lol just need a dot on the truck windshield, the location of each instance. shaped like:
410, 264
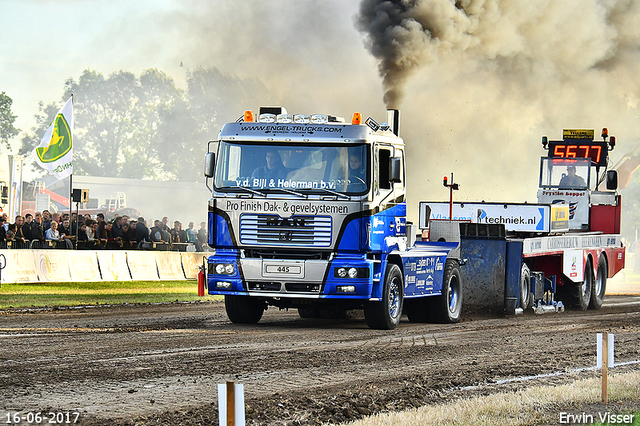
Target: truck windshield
564, 173
302, 168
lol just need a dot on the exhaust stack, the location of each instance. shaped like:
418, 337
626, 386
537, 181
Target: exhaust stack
393, 119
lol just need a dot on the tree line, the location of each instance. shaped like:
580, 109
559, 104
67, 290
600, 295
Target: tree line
141, 127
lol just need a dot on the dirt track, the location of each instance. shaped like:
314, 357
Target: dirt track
161, 364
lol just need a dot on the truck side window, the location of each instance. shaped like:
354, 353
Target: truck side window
383, 167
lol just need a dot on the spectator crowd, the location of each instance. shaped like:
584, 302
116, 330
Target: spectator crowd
71, 231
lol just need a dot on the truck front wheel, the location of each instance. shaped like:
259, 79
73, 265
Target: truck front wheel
244, 309
446, 308
385, 315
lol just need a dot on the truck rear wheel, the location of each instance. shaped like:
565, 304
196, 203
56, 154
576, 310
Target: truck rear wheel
525, 287
385, 315
599, 284
446, 308
244, 309
582, 291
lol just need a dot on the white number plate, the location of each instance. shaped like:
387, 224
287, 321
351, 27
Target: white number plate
283, 269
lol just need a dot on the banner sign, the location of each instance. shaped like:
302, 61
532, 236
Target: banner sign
20, 267
169, 265
191, 263
32, 266
113, 265
83, 266
52, 265
142, 265
515, 217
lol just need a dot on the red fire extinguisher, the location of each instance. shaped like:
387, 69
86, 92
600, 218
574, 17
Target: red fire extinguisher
201, 281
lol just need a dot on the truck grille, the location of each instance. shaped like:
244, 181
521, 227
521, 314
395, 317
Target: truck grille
277, 287
309, 231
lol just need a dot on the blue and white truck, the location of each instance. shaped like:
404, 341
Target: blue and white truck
308, 212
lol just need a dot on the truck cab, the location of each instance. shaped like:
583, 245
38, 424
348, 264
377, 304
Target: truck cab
306, 212
571, 175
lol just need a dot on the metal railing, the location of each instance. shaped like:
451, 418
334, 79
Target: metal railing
70, 244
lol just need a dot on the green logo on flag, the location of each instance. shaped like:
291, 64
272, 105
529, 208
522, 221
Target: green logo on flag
60, 143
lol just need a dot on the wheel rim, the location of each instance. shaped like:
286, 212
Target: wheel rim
599, 282
394, 298
524, 290
587, 280
453, 294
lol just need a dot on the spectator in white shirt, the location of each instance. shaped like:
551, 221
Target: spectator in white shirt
52, 233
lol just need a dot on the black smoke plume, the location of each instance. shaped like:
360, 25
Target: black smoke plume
405, 34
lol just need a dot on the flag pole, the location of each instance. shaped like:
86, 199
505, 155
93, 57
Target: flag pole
70, 197
71, 181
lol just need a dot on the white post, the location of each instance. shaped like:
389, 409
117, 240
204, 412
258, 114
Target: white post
605, 360
610, 352
605, 365
231, 404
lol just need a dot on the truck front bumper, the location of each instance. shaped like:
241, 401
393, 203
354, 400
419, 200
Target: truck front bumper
342, 278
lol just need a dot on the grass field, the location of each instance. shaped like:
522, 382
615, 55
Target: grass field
97, 293
538, 405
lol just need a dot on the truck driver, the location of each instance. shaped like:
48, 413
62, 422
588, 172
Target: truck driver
273, 168
571, 179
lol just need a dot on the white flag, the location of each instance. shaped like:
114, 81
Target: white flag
54, 154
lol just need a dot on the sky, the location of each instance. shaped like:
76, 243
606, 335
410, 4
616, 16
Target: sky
46, 42
478, 86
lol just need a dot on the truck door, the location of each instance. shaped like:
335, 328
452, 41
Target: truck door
389, 215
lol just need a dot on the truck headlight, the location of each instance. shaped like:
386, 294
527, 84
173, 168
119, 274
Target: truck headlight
351, 272
224, 269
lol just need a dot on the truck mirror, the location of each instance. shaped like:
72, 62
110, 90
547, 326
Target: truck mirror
612, 179
209, 164
395, 168
427, 216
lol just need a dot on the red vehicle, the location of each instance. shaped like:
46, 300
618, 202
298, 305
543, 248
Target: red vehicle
558, 252
116, 205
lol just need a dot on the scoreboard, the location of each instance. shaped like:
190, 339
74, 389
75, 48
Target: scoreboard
578, 143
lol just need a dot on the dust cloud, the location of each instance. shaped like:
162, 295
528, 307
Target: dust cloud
480, 82
307, 55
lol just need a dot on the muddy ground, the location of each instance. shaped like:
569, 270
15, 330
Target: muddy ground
160, 364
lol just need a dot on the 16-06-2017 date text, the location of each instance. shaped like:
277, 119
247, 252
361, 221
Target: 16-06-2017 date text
41, 418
